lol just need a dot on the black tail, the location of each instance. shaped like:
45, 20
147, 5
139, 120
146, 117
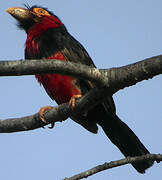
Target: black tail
125, 139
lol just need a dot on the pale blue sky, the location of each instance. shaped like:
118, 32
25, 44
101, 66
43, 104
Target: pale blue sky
115, 33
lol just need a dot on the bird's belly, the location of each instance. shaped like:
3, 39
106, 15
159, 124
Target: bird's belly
59, 87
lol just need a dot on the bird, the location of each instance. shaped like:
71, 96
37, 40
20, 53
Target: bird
48, 38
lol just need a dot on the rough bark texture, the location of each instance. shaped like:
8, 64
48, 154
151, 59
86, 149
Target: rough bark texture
116, 78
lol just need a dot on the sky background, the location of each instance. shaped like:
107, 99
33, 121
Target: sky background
115, 33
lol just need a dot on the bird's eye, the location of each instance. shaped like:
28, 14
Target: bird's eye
41, 11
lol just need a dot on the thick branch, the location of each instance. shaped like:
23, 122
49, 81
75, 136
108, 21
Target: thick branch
112, 164
30, 67
114, 78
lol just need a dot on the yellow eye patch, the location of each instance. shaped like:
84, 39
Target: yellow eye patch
39, 12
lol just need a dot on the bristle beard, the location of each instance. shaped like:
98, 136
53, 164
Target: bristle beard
27, 5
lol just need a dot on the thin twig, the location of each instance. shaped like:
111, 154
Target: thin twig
112, 164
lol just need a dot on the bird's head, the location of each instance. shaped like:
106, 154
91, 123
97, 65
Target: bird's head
29, 17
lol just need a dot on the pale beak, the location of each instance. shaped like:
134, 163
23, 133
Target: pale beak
19, 13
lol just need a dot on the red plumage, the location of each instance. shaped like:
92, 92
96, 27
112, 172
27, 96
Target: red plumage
59, 87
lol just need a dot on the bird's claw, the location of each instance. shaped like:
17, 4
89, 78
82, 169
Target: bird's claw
41, 115
73, 100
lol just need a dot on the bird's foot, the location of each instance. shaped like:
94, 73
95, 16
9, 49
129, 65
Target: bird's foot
73, 100
41, 115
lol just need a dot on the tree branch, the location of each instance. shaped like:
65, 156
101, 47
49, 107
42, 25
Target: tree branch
57, 114
112, 164
108, 81
114, 78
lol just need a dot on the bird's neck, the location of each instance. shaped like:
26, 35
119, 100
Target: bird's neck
37, 38
46, 23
